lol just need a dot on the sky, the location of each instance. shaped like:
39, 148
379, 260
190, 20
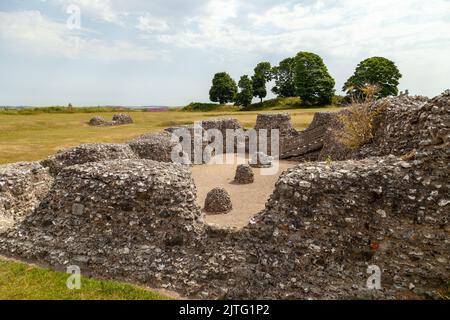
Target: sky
165, 52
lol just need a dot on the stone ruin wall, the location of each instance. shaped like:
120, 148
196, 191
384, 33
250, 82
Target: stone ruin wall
325, 223
22, 188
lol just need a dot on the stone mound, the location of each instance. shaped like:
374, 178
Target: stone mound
87, 153
244, 174
218, 201
122, 118
97, 121
117, 120
22, 188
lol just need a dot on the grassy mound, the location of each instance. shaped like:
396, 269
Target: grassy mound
275, 104
207, 107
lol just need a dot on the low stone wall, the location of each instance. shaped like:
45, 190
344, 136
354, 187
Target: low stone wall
87, 153
156, 146
22, 188
396, 130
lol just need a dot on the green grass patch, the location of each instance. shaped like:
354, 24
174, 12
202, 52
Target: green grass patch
19, 281
275, 104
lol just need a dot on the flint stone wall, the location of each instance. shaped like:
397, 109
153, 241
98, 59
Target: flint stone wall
325, 224
280, 122
397, 129
87, 153
97, 209
22, 188
155, 146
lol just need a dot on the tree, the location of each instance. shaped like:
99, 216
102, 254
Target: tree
377, 71
283, 74
223, 88
313, 83
245, 95
263, 74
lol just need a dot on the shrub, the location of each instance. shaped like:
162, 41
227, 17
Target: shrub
357, 125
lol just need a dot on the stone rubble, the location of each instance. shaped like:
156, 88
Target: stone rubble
244, 174
117, 120
218, 201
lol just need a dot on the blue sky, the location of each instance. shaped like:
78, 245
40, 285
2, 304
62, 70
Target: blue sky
165, 52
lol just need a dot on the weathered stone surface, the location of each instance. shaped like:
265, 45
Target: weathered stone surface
102, 207
156, 146
87, 153
122, 118
22, 187
218, 201
97, 121
329, 222
117, 120
396, 131
244, 174
280, 121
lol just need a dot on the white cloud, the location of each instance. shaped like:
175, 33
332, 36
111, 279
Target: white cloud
103, 10
31, 32
337, 27
151, 24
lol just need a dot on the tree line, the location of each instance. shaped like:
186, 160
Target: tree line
305, 76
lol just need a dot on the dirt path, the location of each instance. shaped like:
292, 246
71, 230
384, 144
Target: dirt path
247, 199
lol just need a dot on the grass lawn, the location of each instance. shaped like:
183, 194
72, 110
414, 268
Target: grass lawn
36, 136
19, 281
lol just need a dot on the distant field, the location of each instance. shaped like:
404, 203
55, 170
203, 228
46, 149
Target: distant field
36, 136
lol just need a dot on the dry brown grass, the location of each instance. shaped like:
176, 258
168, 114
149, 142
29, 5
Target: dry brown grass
358, 126
36, 136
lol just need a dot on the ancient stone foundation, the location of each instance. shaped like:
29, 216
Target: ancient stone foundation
22, 188
87, 153
326, 223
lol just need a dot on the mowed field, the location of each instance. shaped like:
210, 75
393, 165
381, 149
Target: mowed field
36, 136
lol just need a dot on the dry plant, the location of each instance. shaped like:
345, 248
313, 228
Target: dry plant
357, 125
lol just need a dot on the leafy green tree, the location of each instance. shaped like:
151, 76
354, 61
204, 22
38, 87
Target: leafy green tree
223, 88
263, 74
245, 95
283, 74
377, 71
313, 84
